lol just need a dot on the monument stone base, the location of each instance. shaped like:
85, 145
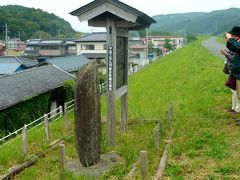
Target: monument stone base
107, 162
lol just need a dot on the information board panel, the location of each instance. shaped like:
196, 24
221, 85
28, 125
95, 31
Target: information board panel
121, 61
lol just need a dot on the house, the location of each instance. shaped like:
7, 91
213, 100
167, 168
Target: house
23, 85
15, 47
50, 47
70, 64
27, 95
93, 45
32, 48
159, 41
138, 51
12, 64
2, 48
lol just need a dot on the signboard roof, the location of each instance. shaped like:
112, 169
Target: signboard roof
114, 7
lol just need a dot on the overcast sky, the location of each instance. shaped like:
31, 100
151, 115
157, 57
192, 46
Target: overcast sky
150, 7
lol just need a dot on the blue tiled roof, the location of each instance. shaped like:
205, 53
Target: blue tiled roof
11, 64
9, 68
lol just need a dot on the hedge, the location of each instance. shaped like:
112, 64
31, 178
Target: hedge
15, 117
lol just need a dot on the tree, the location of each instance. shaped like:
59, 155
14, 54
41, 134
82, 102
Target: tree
41, 35
168, 45
191, 38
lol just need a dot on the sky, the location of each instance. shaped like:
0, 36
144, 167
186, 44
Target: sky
149, 7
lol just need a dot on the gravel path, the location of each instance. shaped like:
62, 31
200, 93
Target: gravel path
213, 46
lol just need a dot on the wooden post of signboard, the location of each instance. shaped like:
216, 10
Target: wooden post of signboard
111, 81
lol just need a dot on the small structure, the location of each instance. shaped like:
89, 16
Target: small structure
37, 81
118, 18
25, 85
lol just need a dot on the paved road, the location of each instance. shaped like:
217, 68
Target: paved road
213, 46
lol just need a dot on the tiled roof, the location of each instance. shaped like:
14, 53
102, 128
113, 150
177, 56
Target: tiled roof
94, 37
69, 63
95, 55
26, 84
51, 42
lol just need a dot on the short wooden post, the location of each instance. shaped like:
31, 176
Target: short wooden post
124, 113
66, 122
62, 160
24, 140
144, 165
168, 119
156, 138
60, 111
171, 109
46, 123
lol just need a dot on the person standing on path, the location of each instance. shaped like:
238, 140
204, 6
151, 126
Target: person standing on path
233, 44
235, 101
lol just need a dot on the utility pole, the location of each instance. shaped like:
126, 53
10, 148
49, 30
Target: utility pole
19, 35
59, 33
147, 42
6, 34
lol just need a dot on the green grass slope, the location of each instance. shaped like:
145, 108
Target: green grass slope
207, 142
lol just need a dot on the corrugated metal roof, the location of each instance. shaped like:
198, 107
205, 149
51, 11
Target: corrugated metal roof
69, 63
94, 37
51, 42
29, 83
33, 42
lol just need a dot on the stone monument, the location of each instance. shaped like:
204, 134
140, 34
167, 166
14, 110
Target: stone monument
87, 115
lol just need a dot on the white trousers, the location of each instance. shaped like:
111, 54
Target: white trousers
235, 101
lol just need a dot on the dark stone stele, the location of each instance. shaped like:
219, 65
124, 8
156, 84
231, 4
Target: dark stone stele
87, 115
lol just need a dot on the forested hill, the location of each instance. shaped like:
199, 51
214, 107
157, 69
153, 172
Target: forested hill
212, 23
31, 23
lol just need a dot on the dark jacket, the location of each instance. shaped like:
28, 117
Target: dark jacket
234, 46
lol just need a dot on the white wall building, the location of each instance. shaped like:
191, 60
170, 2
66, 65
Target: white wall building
159, 41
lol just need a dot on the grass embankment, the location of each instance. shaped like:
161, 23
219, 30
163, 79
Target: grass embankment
206, 143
